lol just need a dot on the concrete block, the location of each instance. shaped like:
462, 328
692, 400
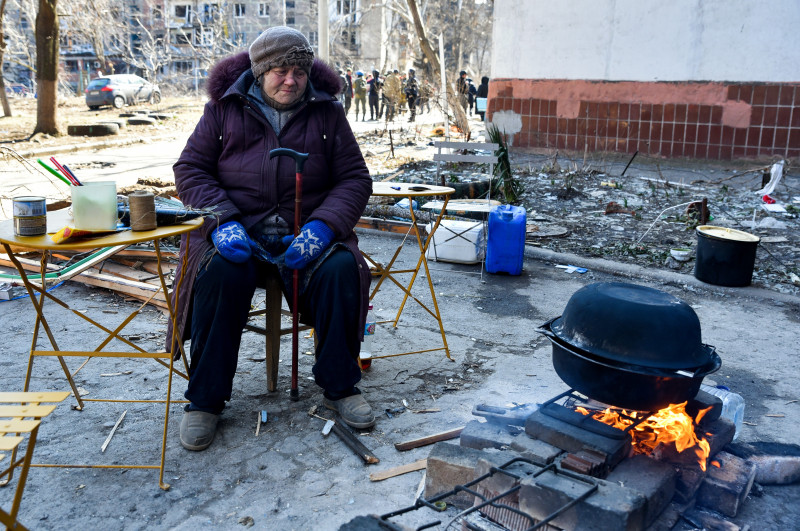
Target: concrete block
480, 435
726, 486
611, 508
450, 465
537, 451
653, 479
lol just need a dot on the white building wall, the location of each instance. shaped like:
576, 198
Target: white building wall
647, 40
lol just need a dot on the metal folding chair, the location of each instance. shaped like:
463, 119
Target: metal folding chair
20, 414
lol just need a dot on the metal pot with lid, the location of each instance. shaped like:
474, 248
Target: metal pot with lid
630, 346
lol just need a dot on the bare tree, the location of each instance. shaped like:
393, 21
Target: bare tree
47, 68
3, 95
104, 38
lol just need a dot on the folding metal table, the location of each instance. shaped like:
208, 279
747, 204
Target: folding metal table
37, 290
389, 272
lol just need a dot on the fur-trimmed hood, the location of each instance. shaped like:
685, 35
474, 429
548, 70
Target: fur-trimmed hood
225, 73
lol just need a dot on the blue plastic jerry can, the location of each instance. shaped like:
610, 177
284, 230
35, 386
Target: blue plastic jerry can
505, 249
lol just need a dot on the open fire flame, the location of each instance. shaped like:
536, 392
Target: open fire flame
671, 425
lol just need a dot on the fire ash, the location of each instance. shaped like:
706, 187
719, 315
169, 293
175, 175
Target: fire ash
671, 425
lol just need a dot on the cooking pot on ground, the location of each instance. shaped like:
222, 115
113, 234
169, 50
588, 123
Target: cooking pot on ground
625, 385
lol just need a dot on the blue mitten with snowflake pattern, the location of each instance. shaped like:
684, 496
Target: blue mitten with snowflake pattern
232, 242
314, 238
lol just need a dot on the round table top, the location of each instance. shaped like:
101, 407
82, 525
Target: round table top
390, 189
125, 237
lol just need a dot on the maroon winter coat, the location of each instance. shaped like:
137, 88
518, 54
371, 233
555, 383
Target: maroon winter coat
226, 165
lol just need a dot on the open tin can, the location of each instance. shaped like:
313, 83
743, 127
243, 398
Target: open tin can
30, 216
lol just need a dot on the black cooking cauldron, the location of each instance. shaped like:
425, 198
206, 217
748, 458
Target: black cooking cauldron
630, 346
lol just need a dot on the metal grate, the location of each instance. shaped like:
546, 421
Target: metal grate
572, 400
497, 501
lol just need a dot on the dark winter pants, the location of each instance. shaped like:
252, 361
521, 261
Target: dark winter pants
412, 106
373, 106
221, 301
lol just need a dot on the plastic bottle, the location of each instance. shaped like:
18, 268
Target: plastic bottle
365, 357
732, 404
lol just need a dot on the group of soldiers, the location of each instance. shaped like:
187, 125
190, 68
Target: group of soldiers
391, 94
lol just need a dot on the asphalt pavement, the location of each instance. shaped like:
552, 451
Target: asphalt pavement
290, 476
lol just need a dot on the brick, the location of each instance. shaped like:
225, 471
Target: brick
480, 435
653, 479
611, 508
718, 434
573, 439
537, 451
450, 465
499, 483
688, 481
703, 400
371, 523
670, 516
726, 486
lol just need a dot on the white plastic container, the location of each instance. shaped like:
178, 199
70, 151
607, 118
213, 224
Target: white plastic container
732, 405
94, 205
462, 242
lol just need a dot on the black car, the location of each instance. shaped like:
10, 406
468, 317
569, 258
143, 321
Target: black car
120, 90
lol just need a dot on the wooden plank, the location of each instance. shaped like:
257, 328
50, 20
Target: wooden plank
122, 271
26, 411
443, 157
32, 397
148, 254
399, 470
430, 439
354, 444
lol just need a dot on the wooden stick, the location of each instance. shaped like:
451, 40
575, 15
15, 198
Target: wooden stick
430, 439
354, 444
399, 470
108, 439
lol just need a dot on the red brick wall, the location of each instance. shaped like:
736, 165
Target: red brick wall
694, 120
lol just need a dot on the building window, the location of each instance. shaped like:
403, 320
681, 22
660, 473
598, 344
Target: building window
183, 11
312, 38
238, 10
290, 20
180, 38
345, 7
263, 10
204, 37
289, 4
239, 39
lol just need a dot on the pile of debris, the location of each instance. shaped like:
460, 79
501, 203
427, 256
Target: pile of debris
132, 272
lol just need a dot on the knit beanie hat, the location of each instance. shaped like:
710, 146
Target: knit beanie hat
280, 46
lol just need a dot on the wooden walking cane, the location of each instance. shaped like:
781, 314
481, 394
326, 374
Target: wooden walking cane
299, 160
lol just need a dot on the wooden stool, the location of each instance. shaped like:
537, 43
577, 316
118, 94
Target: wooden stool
272, 330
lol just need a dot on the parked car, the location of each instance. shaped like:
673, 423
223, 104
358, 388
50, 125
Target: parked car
120, 90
